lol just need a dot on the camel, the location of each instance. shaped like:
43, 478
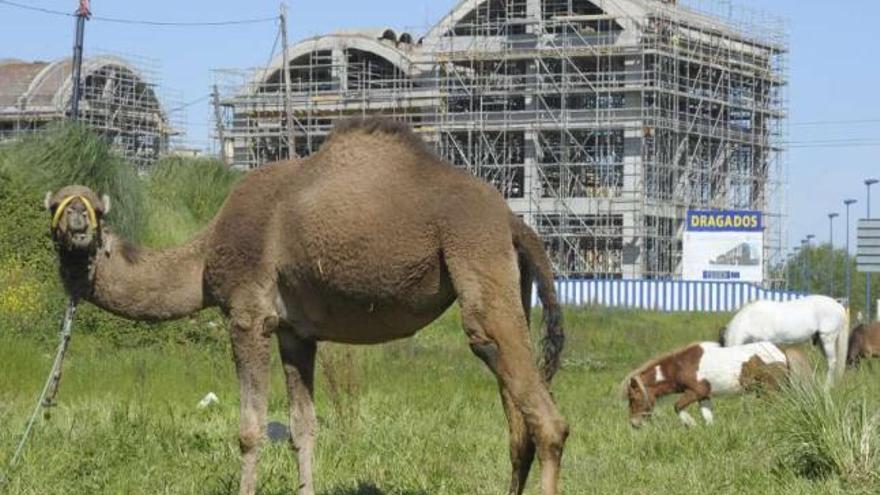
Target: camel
366, 241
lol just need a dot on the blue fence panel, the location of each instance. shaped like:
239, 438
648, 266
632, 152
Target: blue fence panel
665, 295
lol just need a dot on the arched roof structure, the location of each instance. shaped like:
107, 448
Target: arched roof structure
379, 42
47, 86
117, 101
633, 9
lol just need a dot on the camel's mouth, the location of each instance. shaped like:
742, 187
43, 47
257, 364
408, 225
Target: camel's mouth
80, 240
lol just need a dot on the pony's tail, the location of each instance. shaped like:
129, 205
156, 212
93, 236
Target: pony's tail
799, 368
533, 262
841, 346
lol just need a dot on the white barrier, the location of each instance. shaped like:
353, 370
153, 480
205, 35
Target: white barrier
665, 295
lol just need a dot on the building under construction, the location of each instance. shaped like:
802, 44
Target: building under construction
117, 101
601, 121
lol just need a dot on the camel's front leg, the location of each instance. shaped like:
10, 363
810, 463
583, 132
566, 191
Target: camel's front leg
298, 359
250, 346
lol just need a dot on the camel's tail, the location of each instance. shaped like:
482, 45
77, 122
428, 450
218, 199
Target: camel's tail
534, 264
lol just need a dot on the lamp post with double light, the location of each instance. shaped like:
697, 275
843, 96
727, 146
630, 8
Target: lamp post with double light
847, 265
868, 184
807, 242
831, 217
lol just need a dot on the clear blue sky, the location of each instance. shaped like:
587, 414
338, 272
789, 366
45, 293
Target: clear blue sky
834, 72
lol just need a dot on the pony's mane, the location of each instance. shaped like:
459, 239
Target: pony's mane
654, 361
380, 125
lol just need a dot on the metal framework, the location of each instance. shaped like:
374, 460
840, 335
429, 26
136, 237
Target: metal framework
118, 101
601, 121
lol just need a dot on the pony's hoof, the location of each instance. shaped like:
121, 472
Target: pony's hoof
687, 419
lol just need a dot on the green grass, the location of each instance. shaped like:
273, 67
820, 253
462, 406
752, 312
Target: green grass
416, 416
825, 435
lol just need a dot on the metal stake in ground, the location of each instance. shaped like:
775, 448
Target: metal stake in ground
50, 389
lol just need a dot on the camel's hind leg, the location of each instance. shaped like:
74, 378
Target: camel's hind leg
522, 447
495, 324
251, 335
298, 359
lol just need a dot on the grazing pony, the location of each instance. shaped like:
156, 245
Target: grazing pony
792, 322
863, 342
703, 369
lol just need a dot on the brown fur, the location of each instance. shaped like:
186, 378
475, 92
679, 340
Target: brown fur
366, 241
670, 356
758, 376
679, 369
864, 342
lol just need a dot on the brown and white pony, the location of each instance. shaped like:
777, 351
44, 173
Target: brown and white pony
703, 369
864, 342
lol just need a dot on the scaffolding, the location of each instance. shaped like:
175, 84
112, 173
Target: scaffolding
118, 101
602, 122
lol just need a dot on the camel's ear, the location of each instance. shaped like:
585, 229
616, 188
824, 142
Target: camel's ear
47, 201
105, 199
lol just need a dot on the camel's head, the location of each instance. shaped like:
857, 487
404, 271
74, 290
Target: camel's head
77, 217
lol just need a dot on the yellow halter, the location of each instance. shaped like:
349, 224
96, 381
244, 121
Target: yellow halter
93, 218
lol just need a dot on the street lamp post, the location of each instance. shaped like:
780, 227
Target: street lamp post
808, 269
788, 271
831, 217
847, 267
868, 184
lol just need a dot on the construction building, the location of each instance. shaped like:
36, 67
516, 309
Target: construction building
602, 122
117, 101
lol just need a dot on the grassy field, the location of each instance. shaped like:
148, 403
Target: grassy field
415, 417
420, 416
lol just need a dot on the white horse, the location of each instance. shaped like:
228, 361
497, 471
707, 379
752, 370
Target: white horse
793, 322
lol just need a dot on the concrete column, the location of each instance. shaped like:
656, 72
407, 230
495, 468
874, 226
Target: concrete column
531, 180
631, 197
340, 68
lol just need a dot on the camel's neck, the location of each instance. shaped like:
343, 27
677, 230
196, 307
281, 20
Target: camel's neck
139, 284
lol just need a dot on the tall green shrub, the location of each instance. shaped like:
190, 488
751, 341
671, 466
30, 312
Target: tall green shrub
821, 434
183, 195
71, 154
